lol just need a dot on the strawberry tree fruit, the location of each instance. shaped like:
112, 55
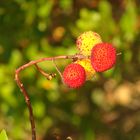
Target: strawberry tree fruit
86, 63
86, 41
103, 57
74, 75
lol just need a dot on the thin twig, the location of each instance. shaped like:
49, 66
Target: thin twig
23, 90
48, 76
59, 72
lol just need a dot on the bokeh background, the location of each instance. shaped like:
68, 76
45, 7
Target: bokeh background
105, 108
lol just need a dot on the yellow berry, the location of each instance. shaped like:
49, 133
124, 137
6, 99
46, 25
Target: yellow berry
86, 41
86, 64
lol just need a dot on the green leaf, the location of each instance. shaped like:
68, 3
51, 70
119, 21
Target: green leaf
128, 21
3, 135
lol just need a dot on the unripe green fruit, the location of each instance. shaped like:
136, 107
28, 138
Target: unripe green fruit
86, 41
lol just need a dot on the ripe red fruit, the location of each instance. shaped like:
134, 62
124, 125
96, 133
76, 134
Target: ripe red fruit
103, 57
74, 75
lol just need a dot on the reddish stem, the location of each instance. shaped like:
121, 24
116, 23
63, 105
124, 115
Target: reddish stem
23, 90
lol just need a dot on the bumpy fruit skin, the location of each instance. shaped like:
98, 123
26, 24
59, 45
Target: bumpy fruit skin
86, 41
103, 57
86, 64
74, 75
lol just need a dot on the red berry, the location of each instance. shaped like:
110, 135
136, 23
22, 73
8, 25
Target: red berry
103, 57
74, 75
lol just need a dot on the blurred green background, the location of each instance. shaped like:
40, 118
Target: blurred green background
105, 108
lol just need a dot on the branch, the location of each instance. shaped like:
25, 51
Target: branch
48, 76
23, 90
25, 94
59, 72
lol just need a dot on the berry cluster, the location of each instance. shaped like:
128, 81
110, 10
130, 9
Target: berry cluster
99, 57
